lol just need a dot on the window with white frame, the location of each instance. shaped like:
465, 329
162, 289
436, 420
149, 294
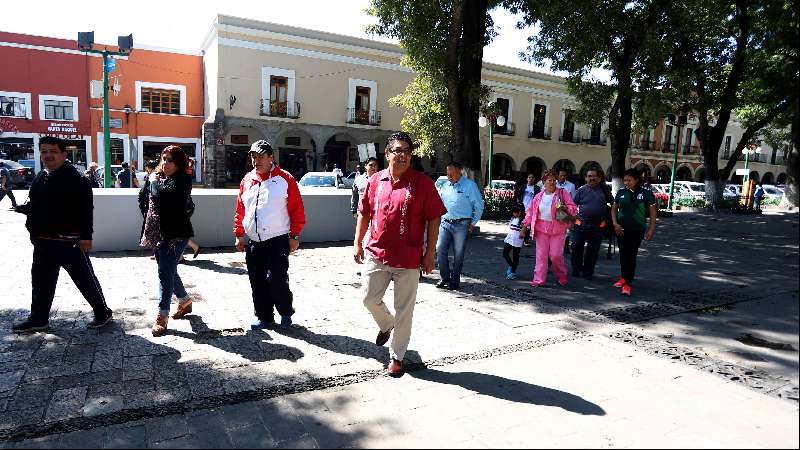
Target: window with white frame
277, 93
11, 106
362, 103
160, 98
56, 107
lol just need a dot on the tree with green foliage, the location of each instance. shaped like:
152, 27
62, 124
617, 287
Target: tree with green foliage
624, 37
444, 42
733, 59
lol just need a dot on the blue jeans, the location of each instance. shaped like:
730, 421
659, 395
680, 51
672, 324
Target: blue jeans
451, 235
167, 257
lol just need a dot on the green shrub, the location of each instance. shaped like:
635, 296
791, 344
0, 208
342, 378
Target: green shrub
498, 204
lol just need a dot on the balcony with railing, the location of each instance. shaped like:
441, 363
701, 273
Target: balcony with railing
540, 132
647, 146
286, 110
573, 136
595, 140
370, 117
668, 147
689, 149
507, 130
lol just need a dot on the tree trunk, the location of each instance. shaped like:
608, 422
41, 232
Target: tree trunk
471, 62
453, 75
619, 127
790, 198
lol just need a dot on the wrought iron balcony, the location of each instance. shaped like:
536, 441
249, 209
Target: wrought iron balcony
540, 132
364, 117
595, 140
648, 146
668, 147
570, 136
508, 129
272, 108
688, 149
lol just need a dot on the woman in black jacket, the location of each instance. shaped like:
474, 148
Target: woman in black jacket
167, 230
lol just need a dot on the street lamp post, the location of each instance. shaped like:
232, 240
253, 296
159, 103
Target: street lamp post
751, 149
678, 121
491, 116
125, 44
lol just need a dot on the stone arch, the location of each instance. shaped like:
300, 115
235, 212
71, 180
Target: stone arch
768, 178
663, 172
565, 164
781, 179
340, 149
684, 173
534, 165
754, 176
503, 167
295, 149
643, 167
587, 166
700, 174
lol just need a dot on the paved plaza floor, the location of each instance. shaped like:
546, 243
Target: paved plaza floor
704, 354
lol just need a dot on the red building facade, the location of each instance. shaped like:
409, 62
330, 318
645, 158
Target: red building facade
43, 91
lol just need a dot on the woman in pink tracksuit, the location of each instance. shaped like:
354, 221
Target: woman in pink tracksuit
548, 231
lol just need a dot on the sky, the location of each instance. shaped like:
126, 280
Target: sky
183, 24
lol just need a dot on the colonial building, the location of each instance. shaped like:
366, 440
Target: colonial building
652, 153
322, 99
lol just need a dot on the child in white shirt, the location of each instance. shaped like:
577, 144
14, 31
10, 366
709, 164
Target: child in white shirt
513, 243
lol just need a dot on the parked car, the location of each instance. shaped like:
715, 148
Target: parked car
503, 184
771, 191
349, 180
440, 182
30, 163
693, 189
318, 179
21, 176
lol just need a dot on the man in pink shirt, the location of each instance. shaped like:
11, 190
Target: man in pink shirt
399, 206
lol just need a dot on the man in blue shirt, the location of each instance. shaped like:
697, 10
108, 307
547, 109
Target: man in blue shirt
464, 204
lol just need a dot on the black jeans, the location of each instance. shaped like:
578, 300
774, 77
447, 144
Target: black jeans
267, 267
628, 248
10, 195
511, 254
49, 257
591, 238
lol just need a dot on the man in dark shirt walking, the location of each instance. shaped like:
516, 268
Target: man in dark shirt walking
59, 210
591, 200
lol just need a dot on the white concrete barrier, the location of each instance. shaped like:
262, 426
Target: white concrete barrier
118, 222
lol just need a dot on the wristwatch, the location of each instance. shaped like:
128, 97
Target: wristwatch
296, 237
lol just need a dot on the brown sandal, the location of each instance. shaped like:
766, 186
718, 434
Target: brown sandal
160, 327
183, 309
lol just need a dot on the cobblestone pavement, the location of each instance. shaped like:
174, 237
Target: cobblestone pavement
120, 377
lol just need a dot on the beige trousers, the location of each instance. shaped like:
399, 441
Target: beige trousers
376, 279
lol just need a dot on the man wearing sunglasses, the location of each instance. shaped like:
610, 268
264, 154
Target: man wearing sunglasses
399, 206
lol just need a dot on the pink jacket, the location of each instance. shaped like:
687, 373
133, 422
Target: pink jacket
554, 226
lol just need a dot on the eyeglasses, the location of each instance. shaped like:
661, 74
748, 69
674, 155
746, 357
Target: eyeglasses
403, 151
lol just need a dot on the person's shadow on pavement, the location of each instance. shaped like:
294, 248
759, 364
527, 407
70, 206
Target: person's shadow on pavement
511, 390
344, 345
250, 345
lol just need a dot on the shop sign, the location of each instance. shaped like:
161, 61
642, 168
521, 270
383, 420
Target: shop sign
115, 123
62, 128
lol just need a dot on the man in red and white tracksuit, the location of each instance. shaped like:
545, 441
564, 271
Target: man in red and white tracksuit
269, 209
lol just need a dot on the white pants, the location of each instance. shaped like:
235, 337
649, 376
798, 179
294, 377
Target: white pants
376, 279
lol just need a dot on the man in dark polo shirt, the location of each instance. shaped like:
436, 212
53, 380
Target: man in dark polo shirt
399, 206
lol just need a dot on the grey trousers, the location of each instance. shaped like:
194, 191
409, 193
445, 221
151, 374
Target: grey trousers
376, 280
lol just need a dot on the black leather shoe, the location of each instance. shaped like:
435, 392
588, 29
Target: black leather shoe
383, 337
452, 287
28, 326
443, 285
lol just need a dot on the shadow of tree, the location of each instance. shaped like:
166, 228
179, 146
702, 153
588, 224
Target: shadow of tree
511, 390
